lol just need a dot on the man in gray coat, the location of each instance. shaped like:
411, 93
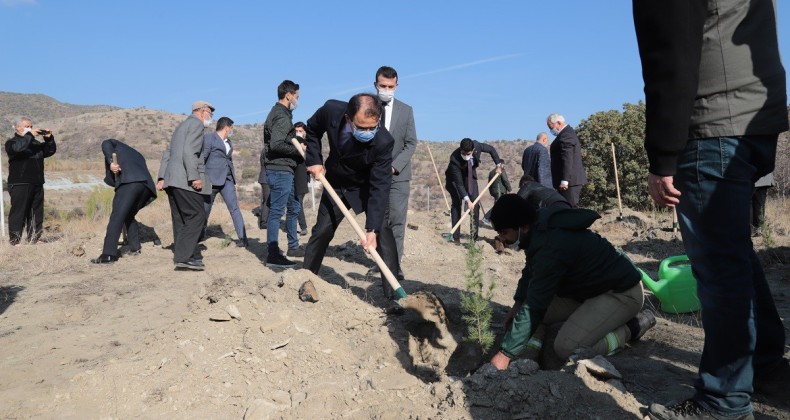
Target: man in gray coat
398, 119
183, 176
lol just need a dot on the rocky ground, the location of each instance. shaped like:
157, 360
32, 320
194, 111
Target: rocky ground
138, 339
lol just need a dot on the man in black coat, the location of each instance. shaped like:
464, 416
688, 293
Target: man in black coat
26, 179
567, 171
134, 189
359, 168
461, 180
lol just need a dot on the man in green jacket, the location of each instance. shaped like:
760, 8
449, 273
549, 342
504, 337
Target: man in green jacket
572, 275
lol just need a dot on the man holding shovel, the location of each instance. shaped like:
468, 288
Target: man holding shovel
359, 167
461, 181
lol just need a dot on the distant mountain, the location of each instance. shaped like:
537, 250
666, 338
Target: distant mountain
42, 107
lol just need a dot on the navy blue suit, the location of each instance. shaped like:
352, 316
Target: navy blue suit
220, 172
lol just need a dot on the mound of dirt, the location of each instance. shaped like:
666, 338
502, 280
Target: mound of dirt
138, 339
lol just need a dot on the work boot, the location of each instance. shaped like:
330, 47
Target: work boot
774, 383
639, 324
688, 410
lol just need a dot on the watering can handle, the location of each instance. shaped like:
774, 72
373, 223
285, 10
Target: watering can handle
671, 260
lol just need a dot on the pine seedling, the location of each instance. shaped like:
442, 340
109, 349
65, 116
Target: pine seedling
475, 302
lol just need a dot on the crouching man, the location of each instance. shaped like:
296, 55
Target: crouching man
572, 275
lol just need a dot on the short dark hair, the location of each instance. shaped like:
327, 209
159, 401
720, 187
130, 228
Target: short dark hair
386, 72
286, 86
300, 124
512, 211
524, 179
467, 145
367, 103
224, 122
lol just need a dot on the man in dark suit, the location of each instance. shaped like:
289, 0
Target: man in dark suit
567, 170
183, 175
398, 119
134, 189
536, 162
359, 168
301, 179
218, 155
461, 181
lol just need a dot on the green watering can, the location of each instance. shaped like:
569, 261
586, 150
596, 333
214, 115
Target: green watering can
676, 287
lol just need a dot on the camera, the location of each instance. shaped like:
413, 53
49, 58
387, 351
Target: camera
43, 132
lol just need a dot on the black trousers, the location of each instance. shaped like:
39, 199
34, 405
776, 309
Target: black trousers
263, 216
329, 217
572, 194
26, 212
456, 209
758, 206
189, 216
302, 218
128, 200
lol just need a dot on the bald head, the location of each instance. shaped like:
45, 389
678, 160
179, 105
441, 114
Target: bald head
543, 138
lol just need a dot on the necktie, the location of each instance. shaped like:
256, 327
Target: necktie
469, 178
383, 115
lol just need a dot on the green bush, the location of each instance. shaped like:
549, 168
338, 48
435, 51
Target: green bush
626, 130
99, 203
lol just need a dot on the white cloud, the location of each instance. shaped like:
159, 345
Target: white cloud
441, 70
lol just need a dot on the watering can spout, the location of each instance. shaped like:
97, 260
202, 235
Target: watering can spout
651, 284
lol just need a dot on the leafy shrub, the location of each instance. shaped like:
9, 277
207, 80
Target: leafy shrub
99, 203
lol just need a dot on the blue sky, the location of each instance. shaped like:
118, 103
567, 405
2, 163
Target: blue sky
485, 70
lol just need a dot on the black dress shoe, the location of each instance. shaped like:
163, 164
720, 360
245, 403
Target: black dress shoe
104, 259
243, 243
190, 265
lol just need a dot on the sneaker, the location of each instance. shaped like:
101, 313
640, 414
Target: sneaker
295, 252
278, 260
690, 410
774, 383
303, 232
639, 324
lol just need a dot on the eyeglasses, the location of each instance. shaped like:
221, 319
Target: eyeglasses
375, 127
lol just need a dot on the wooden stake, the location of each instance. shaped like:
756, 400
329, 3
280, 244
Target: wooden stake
444, 194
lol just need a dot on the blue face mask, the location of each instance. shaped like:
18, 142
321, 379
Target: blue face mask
363, 136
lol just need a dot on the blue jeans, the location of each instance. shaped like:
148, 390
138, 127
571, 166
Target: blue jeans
282, 196
743, 331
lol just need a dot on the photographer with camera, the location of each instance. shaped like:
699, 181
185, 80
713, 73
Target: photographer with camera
26, 179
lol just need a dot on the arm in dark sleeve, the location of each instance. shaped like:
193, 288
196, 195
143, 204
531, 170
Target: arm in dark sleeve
107, 149
506, 182
50, 147
280, 144
491, 151
455, 178
206, 149
669, 35
316, 127
567, 151
19, 146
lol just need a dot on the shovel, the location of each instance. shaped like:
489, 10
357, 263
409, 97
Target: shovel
449, 236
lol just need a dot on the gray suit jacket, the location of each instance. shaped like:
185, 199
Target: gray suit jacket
219, 163
181, 161
405, 135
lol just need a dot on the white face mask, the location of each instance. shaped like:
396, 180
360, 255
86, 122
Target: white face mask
466, 157
516, 244
230, 133
554, 132
293, 104
301, 134
386, 95
26, 130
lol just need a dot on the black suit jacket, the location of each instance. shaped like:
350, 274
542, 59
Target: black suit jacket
132, 163
361, 172
566, 159
456, 172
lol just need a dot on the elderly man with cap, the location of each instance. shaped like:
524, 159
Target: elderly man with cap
593, 290
182, 174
